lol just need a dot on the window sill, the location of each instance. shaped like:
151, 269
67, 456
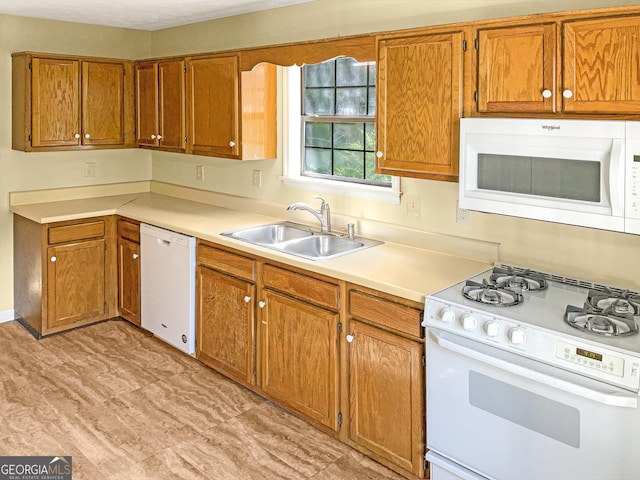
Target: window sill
367, 192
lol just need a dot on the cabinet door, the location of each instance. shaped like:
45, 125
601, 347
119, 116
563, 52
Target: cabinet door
299, 356
147, 104
213, 102
102, 103
55, 102
419, 105
225, 325
602, 65
75, 283
385, 392
129, 280
516, 69
172, 104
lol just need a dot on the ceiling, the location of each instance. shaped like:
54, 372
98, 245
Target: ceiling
138, 14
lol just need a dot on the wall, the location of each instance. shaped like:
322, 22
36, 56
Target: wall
587, 253
22, 171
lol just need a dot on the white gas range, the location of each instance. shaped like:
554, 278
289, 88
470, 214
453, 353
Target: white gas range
541, 381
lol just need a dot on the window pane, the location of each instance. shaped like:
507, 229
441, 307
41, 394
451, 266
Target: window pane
317, 134
350, 73
351, 101
320, 74
317, 160
372, 102
348, 135
370, 164
348, 164
370, 136
372, 74
319, 101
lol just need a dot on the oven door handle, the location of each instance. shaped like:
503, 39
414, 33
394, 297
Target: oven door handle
613, 399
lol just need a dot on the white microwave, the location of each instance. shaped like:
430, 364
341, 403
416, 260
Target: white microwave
578, 172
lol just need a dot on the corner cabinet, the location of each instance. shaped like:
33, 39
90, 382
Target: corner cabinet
386, 379
161, 105
129, 270
231, 114
419, 105
68, 103
63, 273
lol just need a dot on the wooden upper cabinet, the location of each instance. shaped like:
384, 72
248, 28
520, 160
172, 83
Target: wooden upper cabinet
213, 99
103, 103
419, 105
160, 101
602, 65
66, 103
516, 69
55, 105
230, 114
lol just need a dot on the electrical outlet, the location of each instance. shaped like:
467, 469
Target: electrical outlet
257, 178
462, 215
200, 173
413, 205
89, 169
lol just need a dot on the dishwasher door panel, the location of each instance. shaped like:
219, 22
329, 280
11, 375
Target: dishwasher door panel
167, 271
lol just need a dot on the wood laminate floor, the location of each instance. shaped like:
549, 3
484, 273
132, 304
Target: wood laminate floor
127, 406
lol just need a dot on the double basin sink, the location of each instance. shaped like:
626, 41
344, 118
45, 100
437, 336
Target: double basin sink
300, 240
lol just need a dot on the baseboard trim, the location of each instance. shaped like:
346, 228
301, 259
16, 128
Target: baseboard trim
7, 316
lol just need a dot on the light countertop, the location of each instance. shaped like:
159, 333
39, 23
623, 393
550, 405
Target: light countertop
400, 270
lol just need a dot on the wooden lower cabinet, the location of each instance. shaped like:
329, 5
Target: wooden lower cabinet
64, 273
299, 356
129, 270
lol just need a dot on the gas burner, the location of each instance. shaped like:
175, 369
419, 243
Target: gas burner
619, 302
606, 322
525, 280
491, 294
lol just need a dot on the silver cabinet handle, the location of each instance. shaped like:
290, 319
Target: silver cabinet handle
350, 338
86, 135
232, 143
262, 304
379, 154
53, 259
546, 93
77, 135
247, 299
567, 93
135, 256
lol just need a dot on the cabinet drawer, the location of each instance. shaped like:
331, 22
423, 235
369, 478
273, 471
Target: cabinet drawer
128, 230
81, 231
228, 262
386, 313
298, 285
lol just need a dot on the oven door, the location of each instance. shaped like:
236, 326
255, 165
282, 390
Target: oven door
505, 416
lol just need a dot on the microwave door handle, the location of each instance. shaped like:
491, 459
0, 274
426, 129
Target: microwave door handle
614, 400
616, 177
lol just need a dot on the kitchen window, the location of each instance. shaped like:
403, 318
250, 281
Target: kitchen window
330, 130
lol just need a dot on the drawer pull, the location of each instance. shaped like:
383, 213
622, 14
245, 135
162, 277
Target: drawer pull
350, 338
53, 259
247, 299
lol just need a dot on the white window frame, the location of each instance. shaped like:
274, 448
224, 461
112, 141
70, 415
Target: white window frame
292, 151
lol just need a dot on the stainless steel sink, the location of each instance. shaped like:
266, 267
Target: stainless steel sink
271, 233
302, 241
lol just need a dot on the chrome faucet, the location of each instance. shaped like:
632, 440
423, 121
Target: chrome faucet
323, 215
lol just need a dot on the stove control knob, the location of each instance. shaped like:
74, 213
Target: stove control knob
446, 315
492, 329
468, 322
517, 336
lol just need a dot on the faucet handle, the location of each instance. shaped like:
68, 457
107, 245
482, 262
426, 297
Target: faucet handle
317, 197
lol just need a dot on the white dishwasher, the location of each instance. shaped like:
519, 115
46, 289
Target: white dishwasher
167, 284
